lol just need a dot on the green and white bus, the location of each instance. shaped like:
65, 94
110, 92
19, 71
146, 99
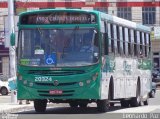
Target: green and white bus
78, 57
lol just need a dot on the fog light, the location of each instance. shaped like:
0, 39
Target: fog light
88, 81
25, 82
80, 83
31, 84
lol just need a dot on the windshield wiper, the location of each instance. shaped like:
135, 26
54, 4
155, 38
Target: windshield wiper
40, 32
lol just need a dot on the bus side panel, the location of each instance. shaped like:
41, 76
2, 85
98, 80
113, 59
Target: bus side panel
125, 78
104, 85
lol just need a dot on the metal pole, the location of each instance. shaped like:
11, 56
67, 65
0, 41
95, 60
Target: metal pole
12, 57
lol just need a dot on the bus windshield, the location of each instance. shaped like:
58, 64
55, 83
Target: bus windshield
58, 47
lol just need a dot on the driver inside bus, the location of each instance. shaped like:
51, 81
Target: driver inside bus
88, 44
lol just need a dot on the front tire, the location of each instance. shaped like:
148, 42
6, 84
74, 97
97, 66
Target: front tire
40, 105
73, 104
83, 105
102, 105
124, 103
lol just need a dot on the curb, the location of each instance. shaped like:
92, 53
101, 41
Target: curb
17, 109
23, 108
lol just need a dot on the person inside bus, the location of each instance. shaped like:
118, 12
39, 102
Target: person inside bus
47, 42
88, 44
61, 41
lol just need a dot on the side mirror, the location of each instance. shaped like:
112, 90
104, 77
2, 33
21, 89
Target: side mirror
12, 39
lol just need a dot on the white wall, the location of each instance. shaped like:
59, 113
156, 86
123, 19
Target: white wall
137, 14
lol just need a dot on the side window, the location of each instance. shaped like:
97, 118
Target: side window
132, 41
121, 39
141, 45
112, 38
145, 45
124, 44
115, 38
103, 44
135, 43
109, 37
103, 32
138, 43
126, 41
118, 40
148, 44
129, 43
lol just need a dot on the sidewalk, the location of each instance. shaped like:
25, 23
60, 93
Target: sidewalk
11, 108
14, 108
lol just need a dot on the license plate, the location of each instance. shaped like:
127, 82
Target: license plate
53, 92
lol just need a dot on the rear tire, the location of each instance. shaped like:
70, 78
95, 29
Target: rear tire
145, 102
135, 101
111, 104
40, 105
102, 105
124, 103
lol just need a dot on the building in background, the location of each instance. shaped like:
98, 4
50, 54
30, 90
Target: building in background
145, 12
4, 52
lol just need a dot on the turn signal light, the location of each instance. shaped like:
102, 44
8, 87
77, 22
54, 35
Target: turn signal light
95, 76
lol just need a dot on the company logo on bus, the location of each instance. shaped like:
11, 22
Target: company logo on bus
55, 83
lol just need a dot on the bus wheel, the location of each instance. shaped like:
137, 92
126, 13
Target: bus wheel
73, 104
111, 104
103, 105
124, 103
40, 105
145, 102
152, 94
135, 101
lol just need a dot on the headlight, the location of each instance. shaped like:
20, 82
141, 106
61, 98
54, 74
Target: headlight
25, 82
28, 83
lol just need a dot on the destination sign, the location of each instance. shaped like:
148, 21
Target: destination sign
59, 18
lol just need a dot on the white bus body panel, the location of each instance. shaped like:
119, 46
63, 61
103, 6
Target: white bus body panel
125, 78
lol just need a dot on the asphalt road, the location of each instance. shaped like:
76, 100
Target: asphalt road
61, 111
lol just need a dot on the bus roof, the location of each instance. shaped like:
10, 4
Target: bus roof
124, 22
50, 10
107, 17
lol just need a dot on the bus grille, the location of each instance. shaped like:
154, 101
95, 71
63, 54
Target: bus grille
51, 84
55, 72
